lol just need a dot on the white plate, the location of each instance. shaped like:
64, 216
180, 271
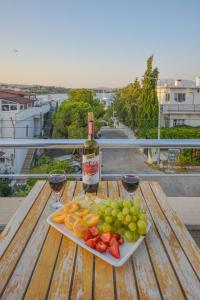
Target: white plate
126, 250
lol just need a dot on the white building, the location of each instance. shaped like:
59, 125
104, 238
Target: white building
180, 104
21, 116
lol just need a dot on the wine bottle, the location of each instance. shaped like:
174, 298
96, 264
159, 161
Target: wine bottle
90, 165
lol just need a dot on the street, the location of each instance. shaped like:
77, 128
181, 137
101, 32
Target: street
132, 161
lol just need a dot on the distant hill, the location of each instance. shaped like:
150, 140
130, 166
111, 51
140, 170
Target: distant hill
37, 89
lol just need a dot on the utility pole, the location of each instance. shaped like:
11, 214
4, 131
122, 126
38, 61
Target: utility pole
159, 100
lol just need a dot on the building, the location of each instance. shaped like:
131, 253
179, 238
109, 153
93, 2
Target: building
180, 103
21, 117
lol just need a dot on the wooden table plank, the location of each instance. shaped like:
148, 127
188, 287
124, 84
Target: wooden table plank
185, 239
83, 273
104, 283
47, 265
189, 282
126, 286
60, 282
22, 273
41, 278
162, 267
146, 281
18, 217
12, 254
145, 277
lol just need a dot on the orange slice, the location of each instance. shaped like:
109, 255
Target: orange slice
91, 219
58, 216
70, 220
71, 207
82, 212
80, 228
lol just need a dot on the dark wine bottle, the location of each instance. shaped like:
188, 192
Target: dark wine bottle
91, 172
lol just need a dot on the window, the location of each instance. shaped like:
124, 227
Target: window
25, 106
5, 107
178, 122
2, 160
179, 97
29, 105
167, 97
13, 107
21, 107
26, 130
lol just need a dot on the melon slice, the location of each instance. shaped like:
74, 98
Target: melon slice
80, 228
70, 220
71, 207
58, 216
91, 219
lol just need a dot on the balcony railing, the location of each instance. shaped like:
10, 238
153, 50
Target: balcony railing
173, 108
103, 144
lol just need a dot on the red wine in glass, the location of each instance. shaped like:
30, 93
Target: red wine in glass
57, 180
130, 182
56, 183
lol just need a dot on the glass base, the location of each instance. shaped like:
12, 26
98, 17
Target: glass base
56, 205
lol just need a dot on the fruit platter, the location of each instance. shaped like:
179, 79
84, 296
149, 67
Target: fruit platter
110, 229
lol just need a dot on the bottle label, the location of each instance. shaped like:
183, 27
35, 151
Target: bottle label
90, 169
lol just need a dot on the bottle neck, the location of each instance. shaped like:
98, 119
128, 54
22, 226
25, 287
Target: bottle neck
90, 130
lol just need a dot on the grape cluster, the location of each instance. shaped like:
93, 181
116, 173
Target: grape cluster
124, 217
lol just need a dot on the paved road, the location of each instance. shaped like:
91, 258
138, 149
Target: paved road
132, 161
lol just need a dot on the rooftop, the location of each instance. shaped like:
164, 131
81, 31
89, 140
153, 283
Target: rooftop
15, 96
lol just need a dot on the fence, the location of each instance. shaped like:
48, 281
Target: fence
103, 144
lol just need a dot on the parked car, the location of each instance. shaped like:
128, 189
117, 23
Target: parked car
76, 166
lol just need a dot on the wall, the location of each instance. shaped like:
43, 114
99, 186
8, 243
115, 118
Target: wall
26, 125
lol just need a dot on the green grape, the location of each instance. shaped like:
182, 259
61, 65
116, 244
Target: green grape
137, 202
117, 224
115, 212
134, 218
136, 236
114, 229
127, 203
120, 203
102, 208
143, 217
141, 225
133, 210
129, 236
120, 216
108, 219
136, 209
132, 226
121, 231
142, 231
114, 204
125, 211
125, 222
108, 211
106, 227
128, 218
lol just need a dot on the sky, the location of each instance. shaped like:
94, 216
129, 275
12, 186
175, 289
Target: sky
93, 43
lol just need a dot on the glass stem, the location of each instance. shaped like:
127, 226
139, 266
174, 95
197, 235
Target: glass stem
57, 197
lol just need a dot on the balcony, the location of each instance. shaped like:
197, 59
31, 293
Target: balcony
180, 108
31, 250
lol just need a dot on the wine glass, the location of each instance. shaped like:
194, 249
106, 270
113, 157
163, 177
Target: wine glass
130, 182
57, 180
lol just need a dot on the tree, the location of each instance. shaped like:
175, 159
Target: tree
147, 112
70, 121
136, 104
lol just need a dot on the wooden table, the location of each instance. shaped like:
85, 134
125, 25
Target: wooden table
37, 262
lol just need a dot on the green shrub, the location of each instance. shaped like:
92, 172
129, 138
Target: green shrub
182, 132
5, 189
187, 158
